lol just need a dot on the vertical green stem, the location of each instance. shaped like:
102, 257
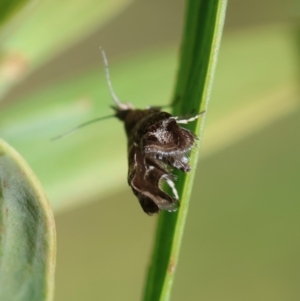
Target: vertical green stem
201, 40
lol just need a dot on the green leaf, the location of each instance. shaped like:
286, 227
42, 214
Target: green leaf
27, 241
201, 41
50, 27
8, 8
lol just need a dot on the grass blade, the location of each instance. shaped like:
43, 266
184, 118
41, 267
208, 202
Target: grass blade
201, 40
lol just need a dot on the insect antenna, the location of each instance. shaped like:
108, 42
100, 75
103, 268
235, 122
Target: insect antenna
116, 100
81, 126
120, 106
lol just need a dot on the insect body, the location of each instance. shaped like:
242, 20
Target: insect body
156, 144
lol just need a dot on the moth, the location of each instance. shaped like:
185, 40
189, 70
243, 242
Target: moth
157, 144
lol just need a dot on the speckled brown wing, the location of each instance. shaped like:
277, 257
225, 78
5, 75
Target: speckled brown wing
165, 140
145, 177
156, 145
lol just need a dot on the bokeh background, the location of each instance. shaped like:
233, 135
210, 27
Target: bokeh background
242, 237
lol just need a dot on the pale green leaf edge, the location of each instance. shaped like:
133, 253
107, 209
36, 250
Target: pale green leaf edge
49, 238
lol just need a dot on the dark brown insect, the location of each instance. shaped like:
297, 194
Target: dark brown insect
156, 145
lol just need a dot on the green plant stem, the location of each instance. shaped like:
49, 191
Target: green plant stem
201, 41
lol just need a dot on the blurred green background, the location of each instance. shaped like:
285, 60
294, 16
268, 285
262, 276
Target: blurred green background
242, 236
